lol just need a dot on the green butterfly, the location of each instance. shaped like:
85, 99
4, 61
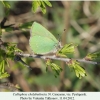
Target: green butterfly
42, 41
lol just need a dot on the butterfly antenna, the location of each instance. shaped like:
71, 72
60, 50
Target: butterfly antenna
59, 35
59, 39
18, 58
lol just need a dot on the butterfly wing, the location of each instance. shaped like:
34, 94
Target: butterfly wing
41, 40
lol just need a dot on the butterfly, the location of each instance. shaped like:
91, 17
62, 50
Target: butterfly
42, 41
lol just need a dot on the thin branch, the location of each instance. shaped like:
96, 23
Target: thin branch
86, 9
87, 35
77, 26
56, 58
3, 22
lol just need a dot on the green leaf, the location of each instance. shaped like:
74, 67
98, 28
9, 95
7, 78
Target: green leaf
56, 69
48, 63
48, 3
6, 4
79, 71
7, 51
43, 8
41, 4
7, 62
4, 75
66, 49
35, 5
93, 56
2, 63
26, 25
59, 54
2, 53
17, 86
7, 12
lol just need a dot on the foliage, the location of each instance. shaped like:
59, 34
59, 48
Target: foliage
42, 4
6, 4
57, 69
79, 71
93, 56
3, 74
35, 4
6, 52
66, 49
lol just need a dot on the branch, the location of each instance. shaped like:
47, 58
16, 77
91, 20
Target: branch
86, 9
3, 22
56, 58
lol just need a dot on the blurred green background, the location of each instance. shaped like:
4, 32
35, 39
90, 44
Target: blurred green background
81, 19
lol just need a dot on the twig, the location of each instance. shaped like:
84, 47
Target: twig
3, 22
77, 26
86, 8
56, 58
84, 34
